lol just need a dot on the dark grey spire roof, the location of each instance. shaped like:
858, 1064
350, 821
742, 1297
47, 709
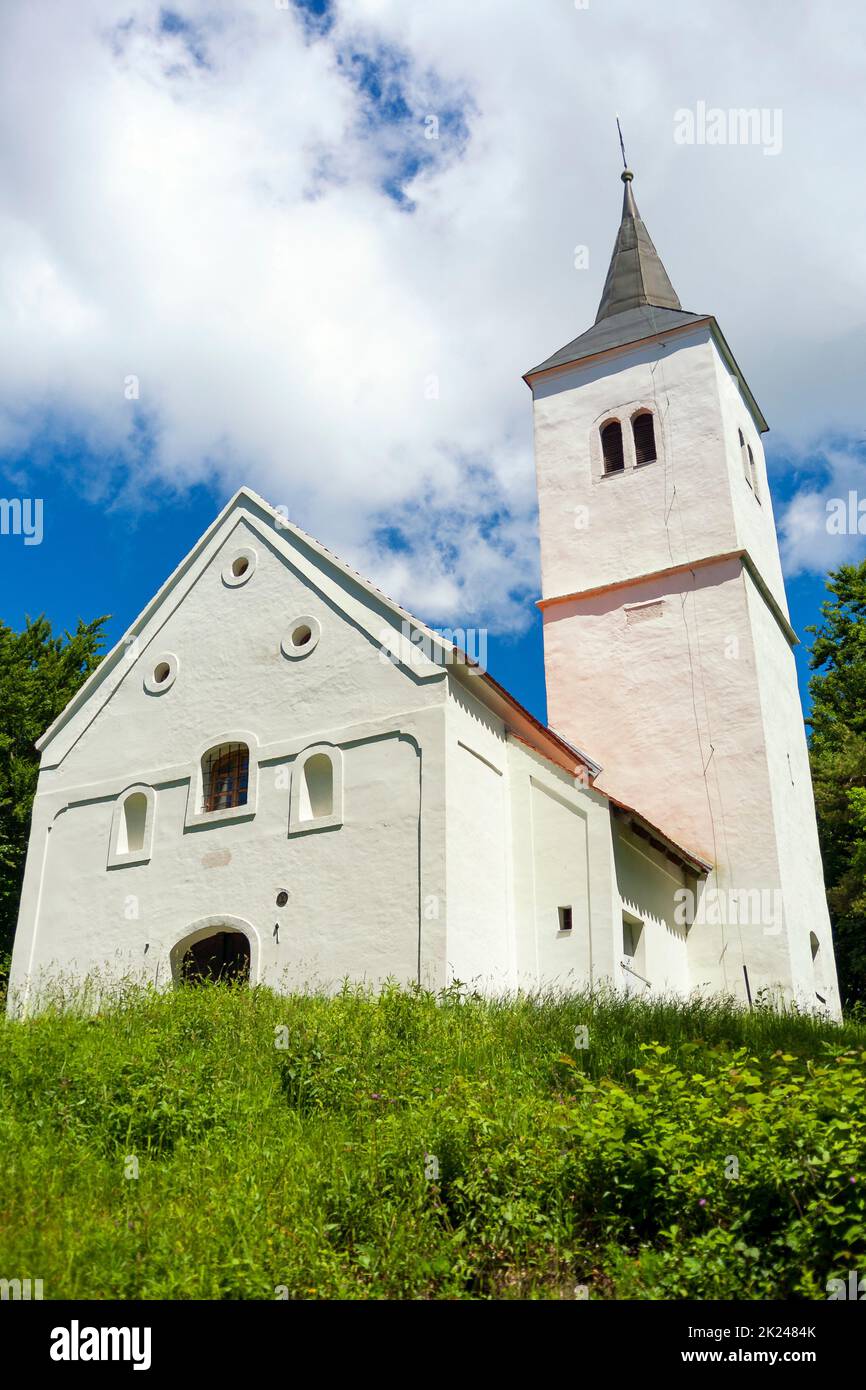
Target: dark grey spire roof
617, 331
638, 299
636, 275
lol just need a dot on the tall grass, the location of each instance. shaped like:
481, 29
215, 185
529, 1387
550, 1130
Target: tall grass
229, 1143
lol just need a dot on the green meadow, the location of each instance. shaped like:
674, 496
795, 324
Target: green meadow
226, 1143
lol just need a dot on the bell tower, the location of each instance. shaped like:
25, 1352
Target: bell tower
667, 643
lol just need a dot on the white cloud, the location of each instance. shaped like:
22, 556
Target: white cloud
218, 228
824, 524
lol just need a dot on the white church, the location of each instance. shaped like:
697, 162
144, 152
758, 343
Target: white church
282, 775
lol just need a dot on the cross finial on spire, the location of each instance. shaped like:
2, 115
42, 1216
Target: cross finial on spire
621, 144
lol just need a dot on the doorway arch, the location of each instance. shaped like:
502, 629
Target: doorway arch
214, 948
222, 958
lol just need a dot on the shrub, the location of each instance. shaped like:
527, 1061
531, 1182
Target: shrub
407, 1145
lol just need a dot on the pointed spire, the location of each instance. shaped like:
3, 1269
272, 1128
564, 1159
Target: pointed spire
636, 276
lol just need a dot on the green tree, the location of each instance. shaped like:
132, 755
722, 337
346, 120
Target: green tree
39, 674
837, 749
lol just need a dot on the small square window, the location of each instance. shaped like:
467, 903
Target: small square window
632, 940
564, 918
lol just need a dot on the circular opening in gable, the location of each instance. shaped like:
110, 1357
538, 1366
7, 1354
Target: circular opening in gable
162, 676
301, 638
240, 568
282, 898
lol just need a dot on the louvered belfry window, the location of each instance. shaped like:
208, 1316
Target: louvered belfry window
644, 437
611, 447
225, 776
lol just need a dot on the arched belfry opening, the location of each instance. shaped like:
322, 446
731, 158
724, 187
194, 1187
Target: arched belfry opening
221, 958
611, 447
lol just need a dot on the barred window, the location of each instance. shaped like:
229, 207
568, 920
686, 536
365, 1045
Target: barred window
611, 447
644, 437
225, 776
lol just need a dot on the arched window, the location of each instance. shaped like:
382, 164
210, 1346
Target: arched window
644, 437
611, 447
317, 788
133, 821
132, 827
225, 777
745, 455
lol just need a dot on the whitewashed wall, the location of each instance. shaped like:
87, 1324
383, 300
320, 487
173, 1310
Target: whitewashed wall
355, 890
480, 940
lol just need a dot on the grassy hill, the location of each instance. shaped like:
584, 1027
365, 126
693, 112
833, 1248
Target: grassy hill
412, 1146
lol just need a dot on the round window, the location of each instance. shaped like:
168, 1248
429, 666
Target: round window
162, 674
301, 638
240, 567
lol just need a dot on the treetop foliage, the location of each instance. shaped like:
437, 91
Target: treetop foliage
39, 674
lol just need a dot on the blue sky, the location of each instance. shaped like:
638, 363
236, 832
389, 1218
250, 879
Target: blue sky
325, 239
